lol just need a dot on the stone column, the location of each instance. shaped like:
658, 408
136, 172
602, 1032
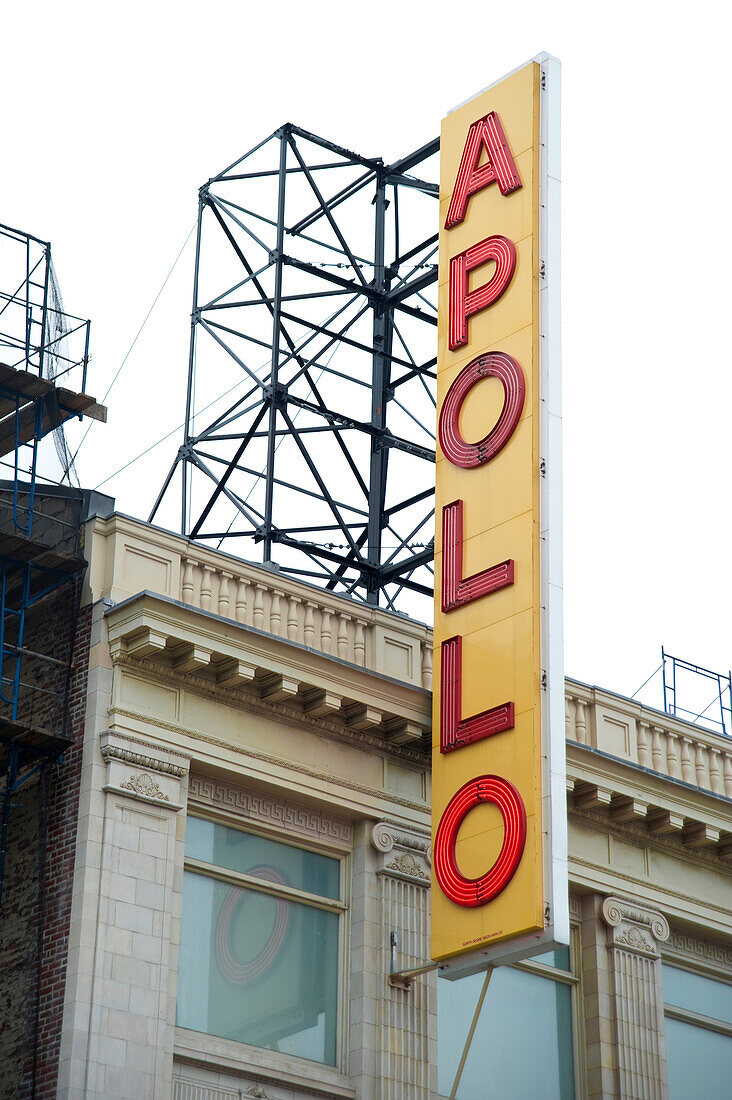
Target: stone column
407, 1018
133, 906
597, 998
633, 937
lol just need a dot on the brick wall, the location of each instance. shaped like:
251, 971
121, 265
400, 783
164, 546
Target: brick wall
19, 942
40, 865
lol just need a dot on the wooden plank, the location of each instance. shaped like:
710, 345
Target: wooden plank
20, 549
24, 382
27, 421
30, 387
82, 403
29, 738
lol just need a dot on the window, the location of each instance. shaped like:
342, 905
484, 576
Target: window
260, 929
523, 1043
698, 1013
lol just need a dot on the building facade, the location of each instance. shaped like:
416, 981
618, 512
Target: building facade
240, 841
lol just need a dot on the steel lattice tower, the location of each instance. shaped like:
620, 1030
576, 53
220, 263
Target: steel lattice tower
310, 410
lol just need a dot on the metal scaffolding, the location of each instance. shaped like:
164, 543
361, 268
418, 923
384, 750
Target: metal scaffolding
688, 680
310, 408
40, 346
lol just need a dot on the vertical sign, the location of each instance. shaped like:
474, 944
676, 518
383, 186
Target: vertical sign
499, 820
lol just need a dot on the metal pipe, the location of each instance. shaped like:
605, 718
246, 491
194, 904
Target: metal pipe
189, 391
276, 321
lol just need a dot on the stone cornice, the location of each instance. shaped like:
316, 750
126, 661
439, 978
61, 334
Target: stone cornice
614, 793
238, 663
326, 727
637, 834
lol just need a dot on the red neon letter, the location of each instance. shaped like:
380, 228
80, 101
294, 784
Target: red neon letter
464, 303
486, 134
496, 364
455, 731
472, 892
457, 591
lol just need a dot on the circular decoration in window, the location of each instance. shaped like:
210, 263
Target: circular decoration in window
232, 968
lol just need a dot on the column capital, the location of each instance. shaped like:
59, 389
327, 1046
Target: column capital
634, 928
403, 853
144, 771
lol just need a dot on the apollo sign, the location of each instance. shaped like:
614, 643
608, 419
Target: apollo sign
499, 818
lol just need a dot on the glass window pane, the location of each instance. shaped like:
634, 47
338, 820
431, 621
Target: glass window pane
456, 1003
263, 858
697, 993
497, 1064
558, 958
258, 969
699, 1062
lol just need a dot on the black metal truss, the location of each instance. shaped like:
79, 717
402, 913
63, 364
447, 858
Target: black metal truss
310, 408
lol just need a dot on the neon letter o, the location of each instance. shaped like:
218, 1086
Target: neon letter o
496, 364
473, 892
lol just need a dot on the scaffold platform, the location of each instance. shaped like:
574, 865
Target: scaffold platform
20, 392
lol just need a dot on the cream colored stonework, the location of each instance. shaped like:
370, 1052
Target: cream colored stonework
228, 689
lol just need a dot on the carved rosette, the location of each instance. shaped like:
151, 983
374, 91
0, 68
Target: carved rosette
403, 853
143, 783
138, 769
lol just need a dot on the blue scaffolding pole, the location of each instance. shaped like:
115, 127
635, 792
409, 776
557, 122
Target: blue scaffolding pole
32, 405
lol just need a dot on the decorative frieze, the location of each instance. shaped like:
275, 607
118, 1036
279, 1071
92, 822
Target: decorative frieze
685, 947
252, 805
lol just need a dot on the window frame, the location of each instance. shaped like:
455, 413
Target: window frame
211, 1044
688, 1015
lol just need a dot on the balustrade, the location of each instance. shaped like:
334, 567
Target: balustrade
670, 747
324, 623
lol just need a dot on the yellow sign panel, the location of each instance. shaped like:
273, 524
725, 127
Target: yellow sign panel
489, 779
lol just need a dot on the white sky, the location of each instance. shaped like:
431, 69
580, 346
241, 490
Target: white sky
113, 115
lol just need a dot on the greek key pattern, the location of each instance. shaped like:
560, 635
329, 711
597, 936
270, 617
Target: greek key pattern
682, 945
303, 820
